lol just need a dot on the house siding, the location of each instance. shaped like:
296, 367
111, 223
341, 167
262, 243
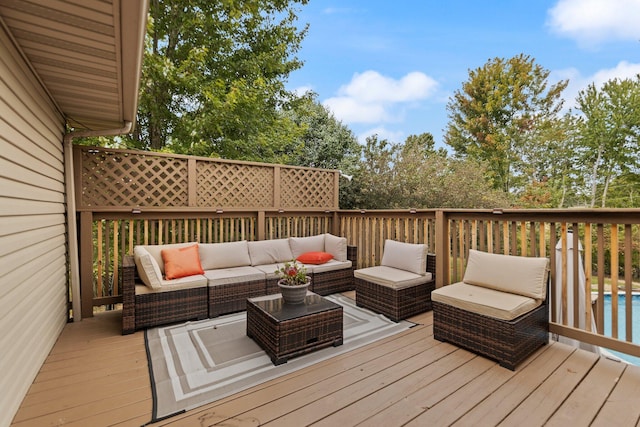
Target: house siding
33, 258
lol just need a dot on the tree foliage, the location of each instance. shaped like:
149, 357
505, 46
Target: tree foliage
497, 114
213, 78
609, 135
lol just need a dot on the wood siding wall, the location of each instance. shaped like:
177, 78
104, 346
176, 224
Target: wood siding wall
33, 266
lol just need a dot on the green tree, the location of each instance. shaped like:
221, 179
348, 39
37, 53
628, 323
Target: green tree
213, 77
495, 116
610, 131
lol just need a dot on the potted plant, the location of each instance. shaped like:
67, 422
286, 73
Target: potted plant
293, 282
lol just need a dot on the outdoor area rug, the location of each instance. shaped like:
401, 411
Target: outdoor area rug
198, 362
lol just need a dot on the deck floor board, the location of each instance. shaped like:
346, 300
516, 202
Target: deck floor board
95, 376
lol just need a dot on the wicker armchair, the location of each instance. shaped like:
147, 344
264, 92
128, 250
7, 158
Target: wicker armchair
499, 310
394, 291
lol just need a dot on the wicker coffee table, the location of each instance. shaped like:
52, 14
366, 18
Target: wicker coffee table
289, 330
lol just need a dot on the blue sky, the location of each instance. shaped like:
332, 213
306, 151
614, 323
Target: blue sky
389, 67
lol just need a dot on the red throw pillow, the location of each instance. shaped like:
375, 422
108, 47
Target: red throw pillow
181, 262
314, 257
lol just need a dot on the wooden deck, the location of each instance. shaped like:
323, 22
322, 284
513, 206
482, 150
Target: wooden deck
96, 377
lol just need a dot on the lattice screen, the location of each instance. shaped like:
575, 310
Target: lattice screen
125, 179
112, 178
306, 188
234, 185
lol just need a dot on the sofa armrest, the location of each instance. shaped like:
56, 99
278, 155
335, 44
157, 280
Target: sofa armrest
352, 255
128, 295
431, 264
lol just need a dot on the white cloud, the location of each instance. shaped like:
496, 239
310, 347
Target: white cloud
595, 21
577, 82
382, 133
373, 98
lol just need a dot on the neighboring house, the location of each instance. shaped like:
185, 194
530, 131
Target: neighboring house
63, 64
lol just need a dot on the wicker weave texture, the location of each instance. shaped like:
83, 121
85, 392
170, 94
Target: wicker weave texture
161, 308
508, 342
396, 304
224, 299
290, 338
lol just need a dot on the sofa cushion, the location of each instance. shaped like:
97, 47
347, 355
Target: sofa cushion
270, 251
405, 256
315, 258
181, 262
269, 270
331, 265
301, 245
526, 276
188, 282
226, 276
148, 268
224, 255
156, 251
336, 246
392, 277
485, 301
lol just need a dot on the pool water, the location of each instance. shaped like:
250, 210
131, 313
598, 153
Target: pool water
635, 306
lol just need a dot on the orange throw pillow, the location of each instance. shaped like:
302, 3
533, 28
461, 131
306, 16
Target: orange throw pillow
181, 262
314, 257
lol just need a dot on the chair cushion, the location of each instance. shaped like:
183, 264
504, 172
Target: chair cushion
392, 277
226, 276
224, 255
301, 245
485, 301
526, 276
269, 270
336, 246
181, 262
314, 258
270, 251
148, 268
188, 282
405, 256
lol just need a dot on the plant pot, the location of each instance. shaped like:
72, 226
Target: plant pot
293, 294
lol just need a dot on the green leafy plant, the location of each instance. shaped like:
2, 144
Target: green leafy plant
292, 274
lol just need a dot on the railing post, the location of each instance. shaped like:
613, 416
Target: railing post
86, 263
442, 249
261, 232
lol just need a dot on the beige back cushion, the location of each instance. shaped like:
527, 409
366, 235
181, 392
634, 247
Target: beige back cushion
301, 245
405, 256
270, 251
148, 268
336, 246
156, 251
224, 255
526, 276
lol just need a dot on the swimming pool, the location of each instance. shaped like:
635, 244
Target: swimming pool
635, 306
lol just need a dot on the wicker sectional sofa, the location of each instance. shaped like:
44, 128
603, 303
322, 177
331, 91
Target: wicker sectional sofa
230, 273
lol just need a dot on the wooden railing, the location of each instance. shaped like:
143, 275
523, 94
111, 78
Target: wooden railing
610, 241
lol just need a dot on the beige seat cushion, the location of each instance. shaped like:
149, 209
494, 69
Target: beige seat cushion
485, 301
189, 282
392, 277
332, 265
224, 255
270, 251
226, 276
526, 276
405, 256
269, 270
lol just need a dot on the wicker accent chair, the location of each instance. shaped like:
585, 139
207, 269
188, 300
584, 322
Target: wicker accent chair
499, 310
401, 286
